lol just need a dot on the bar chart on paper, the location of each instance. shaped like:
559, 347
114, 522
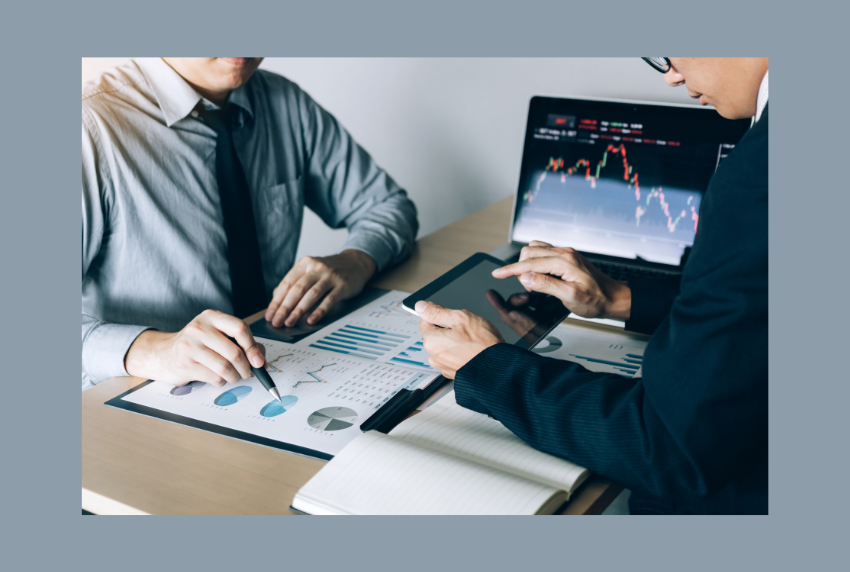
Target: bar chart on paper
382, 332
597, 351
376, 342
627, 364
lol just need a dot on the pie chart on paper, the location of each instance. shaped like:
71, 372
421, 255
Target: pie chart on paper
274, 408
188, 388
550, 344
332, 418
231, 396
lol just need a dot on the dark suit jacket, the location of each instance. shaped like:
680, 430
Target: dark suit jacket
690, 436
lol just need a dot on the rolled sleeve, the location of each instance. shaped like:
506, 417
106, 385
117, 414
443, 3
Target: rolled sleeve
374, 246
345, 187
104, 349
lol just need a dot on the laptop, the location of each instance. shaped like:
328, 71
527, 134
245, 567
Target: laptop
619, 181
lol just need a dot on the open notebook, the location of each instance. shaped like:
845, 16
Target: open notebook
445, 460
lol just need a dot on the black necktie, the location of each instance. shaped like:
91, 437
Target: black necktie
248, 292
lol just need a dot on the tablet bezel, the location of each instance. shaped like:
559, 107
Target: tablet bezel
528, 341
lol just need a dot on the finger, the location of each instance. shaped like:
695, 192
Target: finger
546, 284
240, 331
436, 314
230, 351
547, 265
293, 276
538, 252
216, 364
199, 372
540, 243
445, 369
327, 304
426, 328
310, 298
293, 296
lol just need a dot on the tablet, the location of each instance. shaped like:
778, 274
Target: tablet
523, 318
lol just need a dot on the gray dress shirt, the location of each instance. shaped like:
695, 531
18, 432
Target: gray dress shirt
154, 246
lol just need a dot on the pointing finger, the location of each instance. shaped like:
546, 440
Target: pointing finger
547, 265
239, 331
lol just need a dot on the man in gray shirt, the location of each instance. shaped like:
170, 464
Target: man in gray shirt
160, 282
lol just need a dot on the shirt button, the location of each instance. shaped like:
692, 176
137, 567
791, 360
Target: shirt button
194, 113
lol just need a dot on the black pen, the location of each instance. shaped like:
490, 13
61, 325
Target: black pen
263, 377
266, 380
379, 418
398, 414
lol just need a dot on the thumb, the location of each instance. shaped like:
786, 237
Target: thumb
434, 313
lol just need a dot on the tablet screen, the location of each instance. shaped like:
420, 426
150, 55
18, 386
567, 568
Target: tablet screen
521, 317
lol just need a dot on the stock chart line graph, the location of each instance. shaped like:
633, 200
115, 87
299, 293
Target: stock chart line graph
623, 172
555, 164
313, 374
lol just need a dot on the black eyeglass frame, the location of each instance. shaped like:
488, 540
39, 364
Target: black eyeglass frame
663, 68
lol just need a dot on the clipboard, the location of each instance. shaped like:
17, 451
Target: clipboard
384, 419
119, 403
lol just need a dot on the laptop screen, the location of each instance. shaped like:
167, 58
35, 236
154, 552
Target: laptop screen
619, 179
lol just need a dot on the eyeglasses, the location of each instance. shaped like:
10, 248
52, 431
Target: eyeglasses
661, 64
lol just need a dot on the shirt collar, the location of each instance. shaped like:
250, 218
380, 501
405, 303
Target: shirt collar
761, 101
175, 96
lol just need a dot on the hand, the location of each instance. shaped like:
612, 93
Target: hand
202, 351
463, 336
333, 278
570, 277
511, 311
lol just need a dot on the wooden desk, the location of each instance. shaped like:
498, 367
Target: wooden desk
133, 464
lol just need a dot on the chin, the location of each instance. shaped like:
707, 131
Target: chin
733, 114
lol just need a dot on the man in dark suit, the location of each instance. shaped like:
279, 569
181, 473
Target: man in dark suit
690, 436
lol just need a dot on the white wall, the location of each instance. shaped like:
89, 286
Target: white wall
448, 130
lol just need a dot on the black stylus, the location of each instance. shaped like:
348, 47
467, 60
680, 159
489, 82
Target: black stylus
266, 380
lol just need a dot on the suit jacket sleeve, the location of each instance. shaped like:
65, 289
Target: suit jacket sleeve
652, 299
699, 414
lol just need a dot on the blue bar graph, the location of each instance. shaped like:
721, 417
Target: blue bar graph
410, 362
339, 351
375, 344
350, 337
629, 365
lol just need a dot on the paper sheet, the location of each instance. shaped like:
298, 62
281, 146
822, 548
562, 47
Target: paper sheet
597, 351
325, 397
381, 331
455, 430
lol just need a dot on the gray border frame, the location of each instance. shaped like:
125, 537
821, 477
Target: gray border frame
809, 202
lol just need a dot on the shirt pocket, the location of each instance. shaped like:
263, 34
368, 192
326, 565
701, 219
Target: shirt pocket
278, 213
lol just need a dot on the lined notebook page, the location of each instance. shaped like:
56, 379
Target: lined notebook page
376, 474
452, 429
